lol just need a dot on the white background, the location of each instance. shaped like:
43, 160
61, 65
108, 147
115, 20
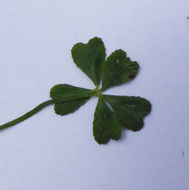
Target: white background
54, 153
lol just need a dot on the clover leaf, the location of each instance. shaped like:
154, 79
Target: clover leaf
112, 112
65, 92
90, 58
118, 69
66, 107
105, 125
129, 110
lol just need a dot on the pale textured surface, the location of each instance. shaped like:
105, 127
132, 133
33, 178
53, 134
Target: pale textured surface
52, 152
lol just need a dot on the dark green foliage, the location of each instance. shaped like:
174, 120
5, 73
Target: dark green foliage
90, 57
112, 112
105, 125
118, 69
63, 108
129, 110
65, 92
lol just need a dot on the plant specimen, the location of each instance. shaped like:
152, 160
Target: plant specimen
112, 112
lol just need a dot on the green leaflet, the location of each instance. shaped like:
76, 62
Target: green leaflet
65, 92
112, 112
105, 125
118, 69
129, 110
63, 108
90, 57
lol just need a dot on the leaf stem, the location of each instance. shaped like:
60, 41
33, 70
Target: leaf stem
98, 92
27, 115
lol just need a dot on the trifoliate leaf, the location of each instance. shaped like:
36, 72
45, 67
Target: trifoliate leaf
118, 69
63, 108
90, 57
129, 110
105, 125
65, 92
